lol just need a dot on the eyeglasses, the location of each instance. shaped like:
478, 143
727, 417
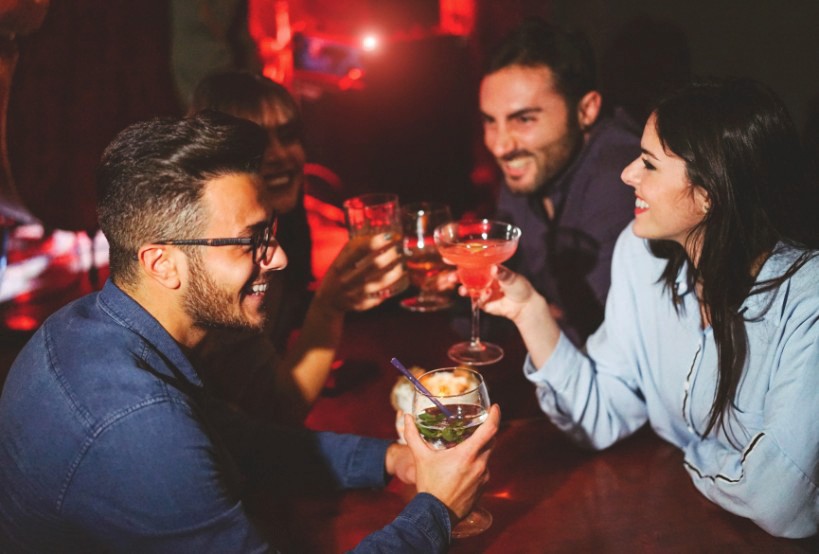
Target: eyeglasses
263, 241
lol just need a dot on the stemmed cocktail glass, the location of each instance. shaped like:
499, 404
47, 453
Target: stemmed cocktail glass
463, 393
424, 263
476, 247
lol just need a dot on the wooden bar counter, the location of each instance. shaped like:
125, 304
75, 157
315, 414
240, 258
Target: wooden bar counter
545, 494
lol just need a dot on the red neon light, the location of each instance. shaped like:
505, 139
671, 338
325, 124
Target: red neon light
21, 322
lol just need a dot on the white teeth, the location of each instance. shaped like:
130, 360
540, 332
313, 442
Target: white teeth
640, 203
279, 181
517, 163
258, 289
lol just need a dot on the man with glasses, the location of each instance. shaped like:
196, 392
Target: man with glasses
110, 442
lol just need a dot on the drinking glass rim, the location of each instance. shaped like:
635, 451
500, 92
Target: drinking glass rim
439, 234
370, 199
426, 206
453, 369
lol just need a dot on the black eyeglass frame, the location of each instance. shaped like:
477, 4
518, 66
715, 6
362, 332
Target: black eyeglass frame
260, 241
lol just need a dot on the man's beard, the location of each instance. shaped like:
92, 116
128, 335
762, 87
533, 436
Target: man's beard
212, 307
559, 157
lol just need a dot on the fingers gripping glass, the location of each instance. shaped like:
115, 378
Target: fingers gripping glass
262, 242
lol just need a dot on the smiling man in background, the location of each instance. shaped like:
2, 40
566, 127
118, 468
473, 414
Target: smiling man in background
561, 160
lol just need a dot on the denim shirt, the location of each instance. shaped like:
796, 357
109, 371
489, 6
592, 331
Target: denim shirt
649, 363
108, 442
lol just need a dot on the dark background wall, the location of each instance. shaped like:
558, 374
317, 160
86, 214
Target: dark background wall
96, 66
93, 67
774, 41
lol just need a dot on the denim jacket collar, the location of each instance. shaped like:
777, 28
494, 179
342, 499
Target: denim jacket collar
127, 312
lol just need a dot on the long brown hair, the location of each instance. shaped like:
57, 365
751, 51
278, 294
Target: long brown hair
739, 145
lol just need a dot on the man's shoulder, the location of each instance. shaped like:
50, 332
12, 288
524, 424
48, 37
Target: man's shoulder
76, 383
82, 335
597, 196
612, 146
86, 360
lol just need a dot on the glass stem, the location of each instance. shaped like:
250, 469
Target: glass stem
475, 339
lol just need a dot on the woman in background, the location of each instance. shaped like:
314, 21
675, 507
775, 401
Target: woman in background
711, 333
247, 369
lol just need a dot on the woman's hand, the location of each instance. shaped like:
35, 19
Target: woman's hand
512, 296
364, 269
509, 294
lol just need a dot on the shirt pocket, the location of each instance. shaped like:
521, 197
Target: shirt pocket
741, 426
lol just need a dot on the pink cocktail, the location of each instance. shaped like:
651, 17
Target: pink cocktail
475, 247
475, 260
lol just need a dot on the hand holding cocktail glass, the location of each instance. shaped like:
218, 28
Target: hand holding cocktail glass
451, 405
363, 272
456, 475
376, 264
476, 247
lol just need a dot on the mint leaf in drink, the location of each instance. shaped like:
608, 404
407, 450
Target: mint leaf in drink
454, 432
428, 418
442, 432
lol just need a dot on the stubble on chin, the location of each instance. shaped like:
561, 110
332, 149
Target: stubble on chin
224, 322
211, 307
522, 189
551, 162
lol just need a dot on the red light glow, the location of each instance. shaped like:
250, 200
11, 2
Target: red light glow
21, 322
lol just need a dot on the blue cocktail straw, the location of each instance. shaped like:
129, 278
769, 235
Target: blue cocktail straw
421, 388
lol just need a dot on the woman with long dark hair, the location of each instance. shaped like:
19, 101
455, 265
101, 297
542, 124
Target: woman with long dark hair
711, 333
266, 374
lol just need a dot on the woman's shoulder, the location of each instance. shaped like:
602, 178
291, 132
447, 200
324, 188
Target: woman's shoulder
798, 270
806, 275
801, 262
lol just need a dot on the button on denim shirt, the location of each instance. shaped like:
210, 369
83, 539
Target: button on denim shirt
108, 442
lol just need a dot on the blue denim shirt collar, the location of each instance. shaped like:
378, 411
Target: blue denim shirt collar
126, 311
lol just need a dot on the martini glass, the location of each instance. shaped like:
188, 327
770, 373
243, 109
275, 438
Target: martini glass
475, 247
463, 392
424, 263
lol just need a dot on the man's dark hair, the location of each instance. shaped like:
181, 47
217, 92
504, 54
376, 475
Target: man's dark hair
567, 54
153, 174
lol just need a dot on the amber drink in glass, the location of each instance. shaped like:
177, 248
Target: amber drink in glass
424, 263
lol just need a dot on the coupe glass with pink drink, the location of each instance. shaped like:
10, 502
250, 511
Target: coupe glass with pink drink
475, 247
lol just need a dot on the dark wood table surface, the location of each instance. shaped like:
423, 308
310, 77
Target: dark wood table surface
545, 494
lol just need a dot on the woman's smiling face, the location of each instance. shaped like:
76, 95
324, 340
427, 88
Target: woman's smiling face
668, 206
284, 158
